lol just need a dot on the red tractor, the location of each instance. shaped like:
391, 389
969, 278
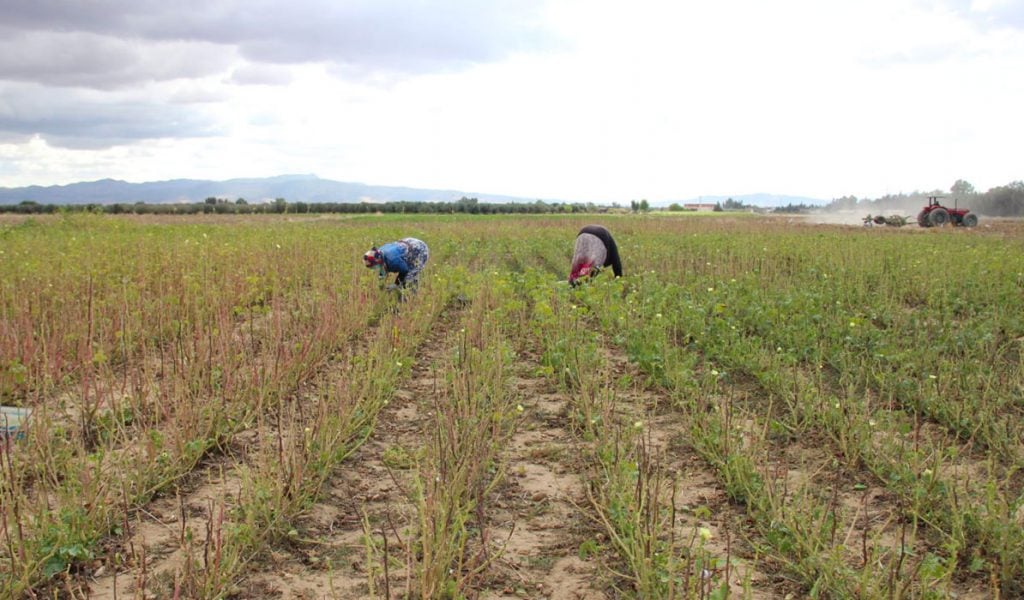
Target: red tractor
936, 215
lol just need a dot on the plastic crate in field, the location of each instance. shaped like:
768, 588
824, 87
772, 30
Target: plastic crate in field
12, 421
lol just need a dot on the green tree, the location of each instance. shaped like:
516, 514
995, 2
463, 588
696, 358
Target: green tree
962, 188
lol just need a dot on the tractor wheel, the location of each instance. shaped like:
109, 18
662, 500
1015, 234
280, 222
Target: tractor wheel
922, 219
970, 220
939, 217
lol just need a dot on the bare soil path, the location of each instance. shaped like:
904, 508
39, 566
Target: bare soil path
702, 503
365, 503
536, 522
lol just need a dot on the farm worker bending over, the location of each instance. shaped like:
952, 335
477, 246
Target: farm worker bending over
407, 257
595, 249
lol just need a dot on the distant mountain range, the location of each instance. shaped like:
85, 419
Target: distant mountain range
293, 188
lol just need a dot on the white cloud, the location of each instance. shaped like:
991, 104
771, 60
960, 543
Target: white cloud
259, 74
651, 99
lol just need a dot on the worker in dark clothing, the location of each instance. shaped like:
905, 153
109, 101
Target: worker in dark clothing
595, 249
407, 257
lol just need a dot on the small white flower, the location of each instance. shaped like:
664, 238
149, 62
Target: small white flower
714, 372
638, 425
927, 472
398, 363
658, 315
519, 408
933, 377
704, 533
711, 289
872, 422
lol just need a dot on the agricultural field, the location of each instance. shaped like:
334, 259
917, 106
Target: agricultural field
230, 407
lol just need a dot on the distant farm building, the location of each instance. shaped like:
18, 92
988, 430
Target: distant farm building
699, 206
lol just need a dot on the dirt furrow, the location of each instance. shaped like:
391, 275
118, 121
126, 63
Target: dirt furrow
705, 516
162, 534
158, 542
365, 509
537, 525
817, 484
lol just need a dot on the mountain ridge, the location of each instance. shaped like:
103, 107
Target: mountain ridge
294, 188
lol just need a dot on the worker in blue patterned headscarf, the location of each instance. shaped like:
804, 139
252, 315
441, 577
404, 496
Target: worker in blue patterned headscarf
407, 257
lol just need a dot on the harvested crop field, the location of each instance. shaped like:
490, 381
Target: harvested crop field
762, 407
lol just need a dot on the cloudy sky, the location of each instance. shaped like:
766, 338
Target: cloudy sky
583, 100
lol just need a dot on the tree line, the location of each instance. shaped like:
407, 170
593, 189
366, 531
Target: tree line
281, 206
